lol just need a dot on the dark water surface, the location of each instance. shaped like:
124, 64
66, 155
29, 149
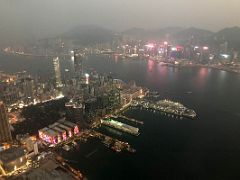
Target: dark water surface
167, 148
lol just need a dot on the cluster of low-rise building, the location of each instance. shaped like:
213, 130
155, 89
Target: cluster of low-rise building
12, 159
58, 132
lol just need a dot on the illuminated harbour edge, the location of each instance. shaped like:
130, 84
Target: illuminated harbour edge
120, 126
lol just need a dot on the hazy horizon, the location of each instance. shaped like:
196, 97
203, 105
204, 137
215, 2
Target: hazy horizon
46, 18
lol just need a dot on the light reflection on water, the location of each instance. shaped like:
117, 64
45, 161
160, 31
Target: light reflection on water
203, 148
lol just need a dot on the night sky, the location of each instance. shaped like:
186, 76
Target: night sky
42, 17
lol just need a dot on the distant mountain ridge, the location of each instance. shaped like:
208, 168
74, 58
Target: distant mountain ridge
229, 34
89, 34
152, 34
193, 32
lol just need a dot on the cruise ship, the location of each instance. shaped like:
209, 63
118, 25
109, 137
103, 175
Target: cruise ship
120, 126
175, 108
167, 106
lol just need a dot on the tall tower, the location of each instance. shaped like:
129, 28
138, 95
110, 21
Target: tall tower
5, 133
78, 65
57, 70
28, 87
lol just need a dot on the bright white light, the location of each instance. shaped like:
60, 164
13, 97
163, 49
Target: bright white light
87, 78
205, 48
174, 49
165, 43
226, 56
196, 47
60, 96
150, 45
211, 57
21, 105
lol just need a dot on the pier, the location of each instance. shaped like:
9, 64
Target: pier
112, 143
131, 119
120, 126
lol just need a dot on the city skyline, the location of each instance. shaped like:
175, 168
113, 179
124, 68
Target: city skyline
119, 89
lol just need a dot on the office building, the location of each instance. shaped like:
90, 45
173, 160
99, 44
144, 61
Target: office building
12, 159
28, 88
57, 71
78, 65
5, 133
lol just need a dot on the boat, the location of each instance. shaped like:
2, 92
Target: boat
162, 63
168, 107
131, 150
106, 144
66, 147
175, 108
74, 143
116, 149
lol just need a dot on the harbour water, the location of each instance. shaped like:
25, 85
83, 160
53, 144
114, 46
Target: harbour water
167, 148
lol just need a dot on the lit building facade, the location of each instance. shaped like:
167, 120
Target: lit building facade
5, 133
78, 65
12, 159
58, 132
57, 70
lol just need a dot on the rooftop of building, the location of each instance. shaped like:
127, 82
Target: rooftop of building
64, 127
68, 123
49, 170
44, 129
51, 132
11, 154
60, 126
58, 129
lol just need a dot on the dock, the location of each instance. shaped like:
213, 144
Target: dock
131, 119
113, 143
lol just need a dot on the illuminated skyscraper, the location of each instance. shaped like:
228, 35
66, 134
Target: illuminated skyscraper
5, 133
78, 65
57, 70
28, 87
